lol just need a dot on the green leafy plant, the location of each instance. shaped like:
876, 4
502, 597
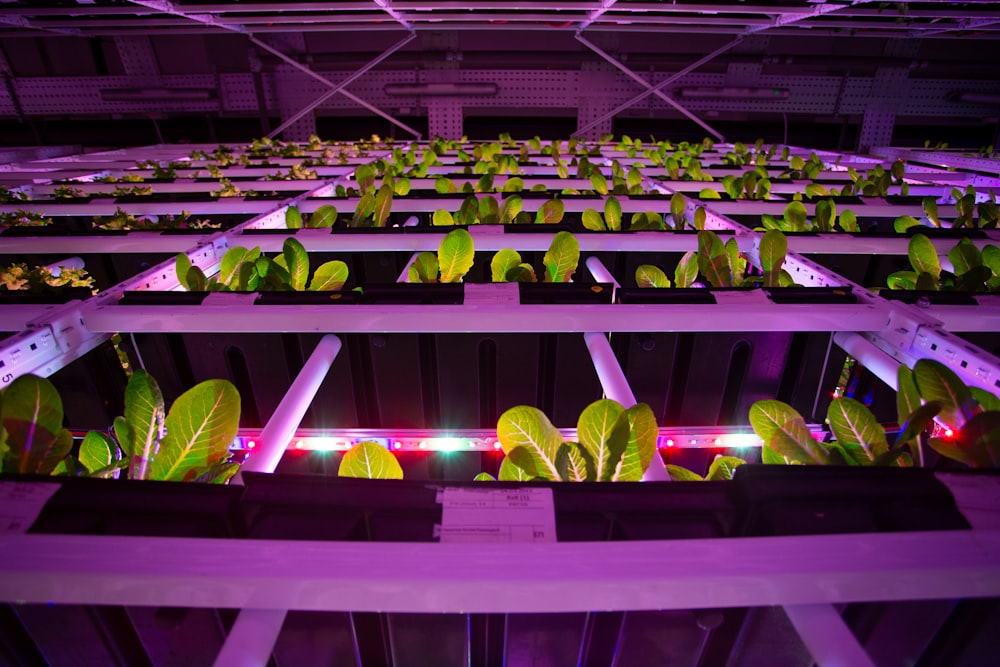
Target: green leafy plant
369, 460
753, 184
324, 216
615, 444
188, 443
22, 218
720, 469
68, 192
8, 196
796, 218
561, 261
243, 269
454, 258
685, 273
931, 390
123, 220
974, 270
20, 277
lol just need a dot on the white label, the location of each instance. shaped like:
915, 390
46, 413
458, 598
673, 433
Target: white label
498, 515
491, 294
21, 503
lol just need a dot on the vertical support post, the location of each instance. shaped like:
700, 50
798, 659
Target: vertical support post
829, 640
616, 387
286, 418
880, 364
252, 637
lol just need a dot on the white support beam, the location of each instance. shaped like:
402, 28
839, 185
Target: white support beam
451, 578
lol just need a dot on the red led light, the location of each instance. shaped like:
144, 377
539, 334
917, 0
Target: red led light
497, 445
251, 444
948, 433
670, 442
397, 445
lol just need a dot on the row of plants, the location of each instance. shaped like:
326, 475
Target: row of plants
191, 441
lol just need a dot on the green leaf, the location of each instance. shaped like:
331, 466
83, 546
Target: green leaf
902, 280
641, 446
579, 464
795, 443
200, 425
293, 218
699, 218
296, 262
364, 209
853, 424
528, 427
936, 382
144, 419
196, 279
514, 184
365, 176
383, 205
917, 422
522, 273
599, 182
713, 262
985, 399
768, 416
795, 216
509, 210
708, 193
424, 268
561, 258
96, 451
678, 204
32, 415
402, 186
442, 218
444, 185
931, 210
592, 220
773, 249
687, 270
723, 467
181, 266
551, 212
634, 177
509, 472
923, 255
613, 214
484, 477
904, 222
965, 256
603, 430
369, 460
648, 275
323, 217
682, 474
330, 276
980, 440
218, 473
848, 221
770, 457
232, 260
907, 396
816, 190
926, 282
247, 277
503, 261
455, 255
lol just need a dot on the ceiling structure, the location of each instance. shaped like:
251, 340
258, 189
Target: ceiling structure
844, 74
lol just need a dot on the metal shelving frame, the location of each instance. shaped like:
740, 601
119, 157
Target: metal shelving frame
881, 334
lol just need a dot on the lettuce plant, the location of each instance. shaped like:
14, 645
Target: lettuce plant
246, 270
561, 261
974, 270
452, 261
190, 442
615, 444
930, 391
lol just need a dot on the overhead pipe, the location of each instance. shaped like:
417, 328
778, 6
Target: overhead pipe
616, 387
252, 637
280, 428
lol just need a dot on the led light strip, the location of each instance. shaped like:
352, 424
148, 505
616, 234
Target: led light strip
409, 440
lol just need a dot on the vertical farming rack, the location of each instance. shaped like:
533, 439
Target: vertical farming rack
426, 370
